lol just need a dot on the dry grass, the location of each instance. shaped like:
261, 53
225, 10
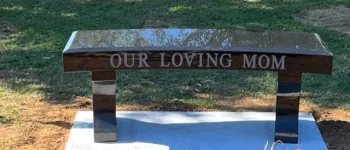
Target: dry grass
32, 123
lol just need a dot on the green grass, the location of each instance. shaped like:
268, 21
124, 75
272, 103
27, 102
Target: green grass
344, 2
31, 61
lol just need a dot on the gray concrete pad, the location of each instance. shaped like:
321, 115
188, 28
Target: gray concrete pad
140, 130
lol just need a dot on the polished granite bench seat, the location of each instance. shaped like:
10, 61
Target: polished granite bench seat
103, 52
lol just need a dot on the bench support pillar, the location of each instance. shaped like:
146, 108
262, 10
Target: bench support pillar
104, 106
287, 107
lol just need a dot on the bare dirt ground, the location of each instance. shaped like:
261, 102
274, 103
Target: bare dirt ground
335, 18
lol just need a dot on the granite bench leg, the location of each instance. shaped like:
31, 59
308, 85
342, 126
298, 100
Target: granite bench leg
104, 106
287, 107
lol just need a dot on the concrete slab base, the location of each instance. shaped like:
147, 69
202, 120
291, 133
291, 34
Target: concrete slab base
194, 131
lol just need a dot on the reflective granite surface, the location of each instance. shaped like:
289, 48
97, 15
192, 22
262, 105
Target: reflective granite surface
195, 39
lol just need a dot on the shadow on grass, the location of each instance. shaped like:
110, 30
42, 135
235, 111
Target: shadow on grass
32, 61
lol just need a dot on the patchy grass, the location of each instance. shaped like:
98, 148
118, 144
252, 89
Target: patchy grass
33, 34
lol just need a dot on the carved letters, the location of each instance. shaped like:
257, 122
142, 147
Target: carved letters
198, 60
264, 62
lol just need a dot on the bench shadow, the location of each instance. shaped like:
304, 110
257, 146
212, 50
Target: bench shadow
204, 135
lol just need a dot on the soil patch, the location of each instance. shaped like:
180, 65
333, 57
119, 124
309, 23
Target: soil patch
335, 18
336, 133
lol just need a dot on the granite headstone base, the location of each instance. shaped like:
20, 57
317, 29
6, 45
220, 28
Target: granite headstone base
193, 131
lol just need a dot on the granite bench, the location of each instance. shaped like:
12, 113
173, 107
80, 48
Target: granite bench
103, 52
